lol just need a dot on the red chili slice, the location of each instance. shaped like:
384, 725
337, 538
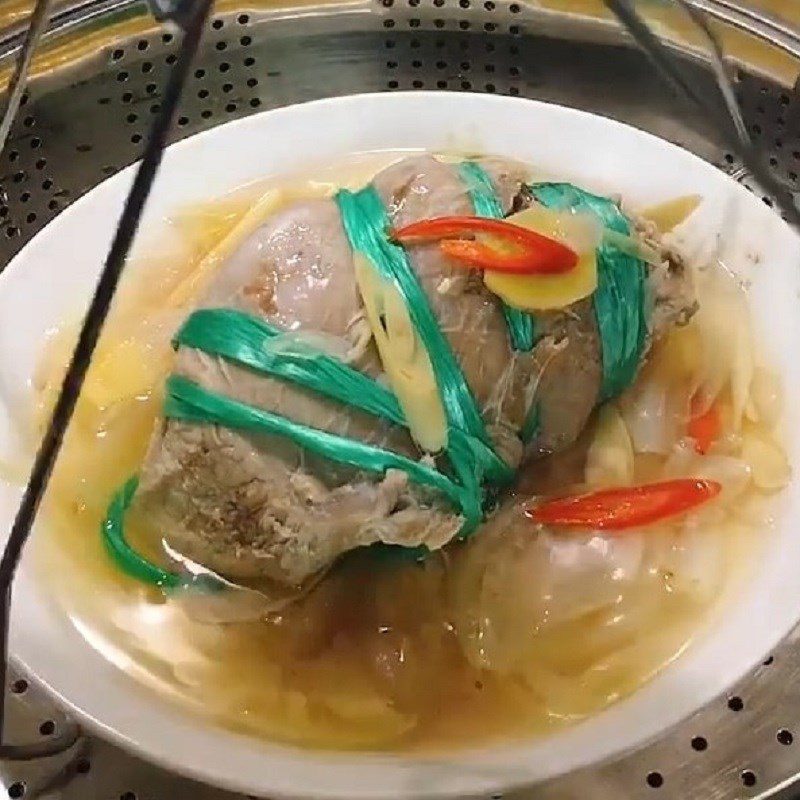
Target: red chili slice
505, 247
704, 426
627, 507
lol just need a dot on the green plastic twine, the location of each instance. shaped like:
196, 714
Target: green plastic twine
365, 222
245, 340
620, 301
520, 324
620, 310
250, 342
189, 402
481, 190
531, 425
129, 561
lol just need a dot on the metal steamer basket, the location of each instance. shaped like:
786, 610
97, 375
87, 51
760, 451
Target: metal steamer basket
96, 84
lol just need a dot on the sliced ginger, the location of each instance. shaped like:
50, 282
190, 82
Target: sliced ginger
405, 359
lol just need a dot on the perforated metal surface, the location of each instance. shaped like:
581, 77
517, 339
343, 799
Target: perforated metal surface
77, 128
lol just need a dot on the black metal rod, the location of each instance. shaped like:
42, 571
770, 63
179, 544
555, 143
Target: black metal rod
87, 340
712, 108
16, 86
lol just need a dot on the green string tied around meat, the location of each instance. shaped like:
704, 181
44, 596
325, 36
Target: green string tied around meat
475, 472
621, 303
117, 546
366, 223
520, 324
253, 343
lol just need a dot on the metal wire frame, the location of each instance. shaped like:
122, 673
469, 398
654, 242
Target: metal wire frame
191, 16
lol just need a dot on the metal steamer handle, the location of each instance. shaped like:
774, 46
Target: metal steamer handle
190, 16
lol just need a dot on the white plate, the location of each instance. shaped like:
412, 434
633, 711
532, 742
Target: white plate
53, 275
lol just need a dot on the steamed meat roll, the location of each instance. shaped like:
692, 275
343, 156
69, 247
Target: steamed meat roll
251, 505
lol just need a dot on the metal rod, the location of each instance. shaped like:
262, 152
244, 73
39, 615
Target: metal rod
19, 80
712, 108
719, 68
193, 22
